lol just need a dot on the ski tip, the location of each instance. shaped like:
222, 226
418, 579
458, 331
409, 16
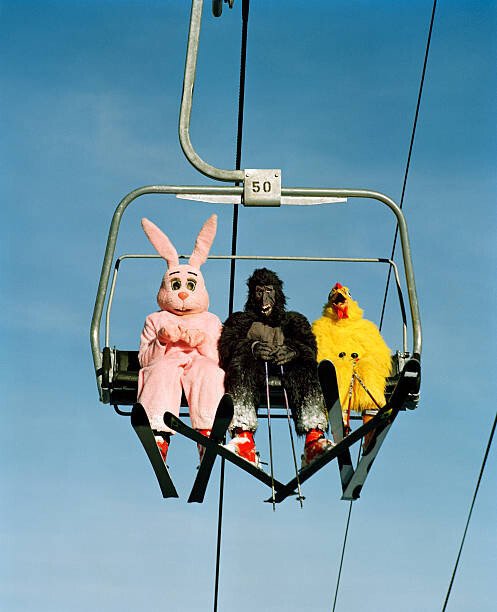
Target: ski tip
139, 416
226, 408
325, 364
169, 419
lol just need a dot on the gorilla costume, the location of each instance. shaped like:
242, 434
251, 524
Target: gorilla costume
266, 332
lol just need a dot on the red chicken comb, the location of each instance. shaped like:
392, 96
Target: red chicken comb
338, 286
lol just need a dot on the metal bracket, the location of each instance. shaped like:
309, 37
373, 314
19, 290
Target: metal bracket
217, 6
262, 188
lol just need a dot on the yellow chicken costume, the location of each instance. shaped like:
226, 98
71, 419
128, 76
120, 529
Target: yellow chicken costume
355, 346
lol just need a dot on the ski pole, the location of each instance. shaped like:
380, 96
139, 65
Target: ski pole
270, 438
285, 396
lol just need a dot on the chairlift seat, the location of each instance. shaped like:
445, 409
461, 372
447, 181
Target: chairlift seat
123, 383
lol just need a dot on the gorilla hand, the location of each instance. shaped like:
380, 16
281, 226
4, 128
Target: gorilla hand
262, 350
283, 354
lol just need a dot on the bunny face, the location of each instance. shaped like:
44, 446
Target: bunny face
183, 291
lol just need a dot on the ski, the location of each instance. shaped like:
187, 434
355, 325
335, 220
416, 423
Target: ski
408, 383
328, 380
182, 428
224, 414
408, 380
353, 490
141, 425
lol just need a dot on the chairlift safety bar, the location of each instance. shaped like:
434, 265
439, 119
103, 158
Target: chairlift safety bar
392, 264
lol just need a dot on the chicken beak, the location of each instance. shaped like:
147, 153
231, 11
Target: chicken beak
339, 304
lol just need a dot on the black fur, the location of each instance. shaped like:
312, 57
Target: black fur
245, 375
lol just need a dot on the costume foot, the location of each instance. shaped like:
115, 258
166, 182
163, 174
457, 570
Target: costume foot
243, 445
315, 445
201, 447
163, 445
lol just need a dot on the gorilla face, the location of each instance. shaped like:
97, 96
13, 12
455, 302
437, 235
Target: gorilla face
265, 297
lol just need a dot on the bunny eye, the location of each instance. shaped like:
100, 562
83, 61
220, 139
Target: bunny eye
175, 284
191, 283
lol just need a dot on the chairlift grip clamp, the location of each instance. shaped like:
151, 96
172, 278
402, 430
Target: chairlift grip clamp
262, 187
217, 6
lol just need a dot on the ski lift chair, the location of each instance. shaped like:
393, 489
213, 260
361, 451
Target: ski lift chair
117, 369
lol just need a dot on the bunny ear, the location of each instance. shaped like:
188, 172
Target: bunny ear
204, 242
161, 242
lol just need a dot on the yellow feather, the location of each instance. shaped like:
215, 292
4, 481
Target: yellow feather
354, 335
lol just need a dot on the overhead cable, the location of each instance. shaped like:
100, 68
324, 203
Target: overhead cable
241, 105
409, 155
406, 174
470, 513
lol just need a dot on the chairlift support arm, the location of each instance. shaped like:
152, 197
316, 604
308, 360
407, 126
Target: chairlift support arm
186, 104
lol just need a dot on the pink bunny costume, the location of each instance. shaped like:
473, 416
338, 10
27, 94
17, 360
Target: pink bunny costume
178, 346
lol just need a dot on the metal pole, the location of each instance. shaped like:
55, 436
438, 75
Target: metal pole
186, 103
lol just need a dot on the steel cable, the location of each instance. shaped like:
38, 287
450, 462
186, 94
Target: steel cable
342, 556
241, 103
470, 513
404, 185
409, 155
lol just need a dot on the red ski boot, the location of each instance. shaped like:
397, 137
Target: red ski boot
163, 445
243, 445
201, 447
315, 445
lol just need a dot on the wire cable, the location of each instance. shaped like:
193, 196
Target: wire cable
342, 556
409, 155
404, 185
241, 103
470, 512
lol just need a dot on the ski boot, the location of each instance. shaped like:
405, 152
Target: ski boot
162, 442
315, 445
201, 447
242, 444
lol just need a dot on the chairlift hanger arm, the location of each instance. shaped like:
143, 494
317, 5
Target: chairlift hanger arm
262, 187
186, 104
392, 266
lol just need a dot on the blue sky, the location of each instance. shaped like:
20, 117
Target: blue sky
89, 98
